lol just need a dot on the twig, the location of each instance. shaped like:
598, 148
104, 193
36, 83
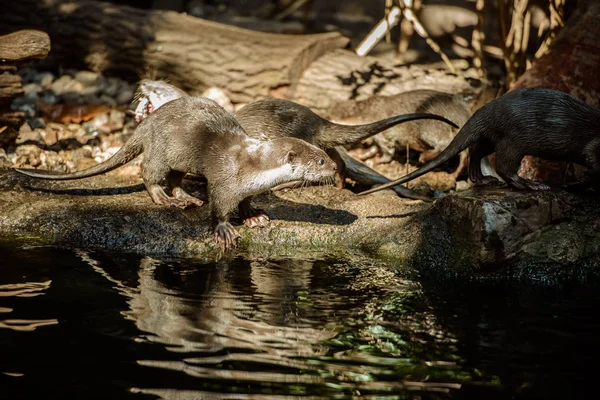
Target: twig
290, 10
478, 38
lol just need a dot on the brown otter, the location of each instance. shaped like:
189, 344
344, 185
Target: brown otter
275, 118
195, 135
426, 136
540, 122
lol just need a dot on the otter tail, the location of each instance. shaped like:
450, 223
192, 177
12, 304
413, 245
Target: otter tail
463, 139
354, 133
361, 173
128, 152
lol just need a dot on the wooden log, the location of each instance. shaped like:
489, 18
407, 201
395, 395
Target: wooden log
23, 46
16, 49
342, 75
571, 65
192, 53
10, 85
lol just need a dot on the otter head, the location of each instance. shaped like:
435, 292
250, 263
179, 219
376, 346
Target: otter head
308, 162
153, 94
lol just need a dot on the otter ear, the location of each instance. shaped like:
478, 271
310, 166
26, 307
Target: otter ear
290, 156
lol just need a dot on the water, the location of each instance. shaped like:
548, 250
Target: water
87, 325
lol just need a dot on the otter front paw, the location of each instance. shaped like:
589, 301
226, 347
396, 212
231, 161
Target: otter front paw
225, 235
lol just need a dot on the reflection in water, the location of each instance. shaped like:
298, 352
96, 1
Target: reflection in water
130, 326
267, 323
23, 289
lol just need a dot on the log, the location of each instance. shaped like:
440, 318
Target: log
192, 53
23, 46
571, 65
342, 75
16, 49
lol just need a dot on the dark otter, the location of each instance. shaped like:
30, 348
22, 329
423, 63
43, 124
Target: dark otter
195, 135
275, 118
539, 122
426, 136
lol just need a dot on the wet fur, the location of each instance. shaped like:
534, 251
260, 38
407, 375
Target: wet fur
195, 135
539, 122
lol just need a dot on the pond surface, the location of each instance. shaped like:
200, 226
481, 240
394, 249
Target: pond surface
79, 324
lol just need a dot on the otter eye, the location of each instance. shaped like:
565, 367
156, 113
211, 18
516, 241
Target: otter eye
321, 161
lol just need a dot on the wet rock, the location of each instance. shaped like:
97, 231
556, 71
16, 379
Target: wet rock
480, 228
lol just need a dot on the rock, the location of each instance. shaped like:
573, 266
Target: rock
72, 98
463, 185
108, 100
89, 78
116, 120
112, 86
28, 135
90, 90
32, 90
125, 96
48, 97
4, 161
66, 84
482, 228
45, 79
36, 123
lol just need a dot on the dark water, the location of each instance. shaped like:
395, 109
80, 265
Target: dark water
89, 325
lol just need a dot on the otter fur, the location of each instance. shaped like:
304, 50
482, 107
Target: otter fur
538, 122
275, 118
195, 135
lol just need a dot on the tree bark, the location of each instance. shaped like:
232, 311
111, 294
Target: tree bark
24, 46
342, 75
571, 65
192, 53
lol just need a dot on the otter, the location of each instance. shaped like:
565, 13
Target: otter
275, 118
426, 136
539, 122
195, 135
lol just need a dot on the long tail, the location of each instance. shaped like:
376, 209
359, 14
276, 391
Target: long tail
463, 139
359, 172
354, 133
128, 152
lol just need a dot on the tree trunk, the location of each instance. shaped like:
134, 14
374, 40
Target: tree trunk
572, 65
192, 53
